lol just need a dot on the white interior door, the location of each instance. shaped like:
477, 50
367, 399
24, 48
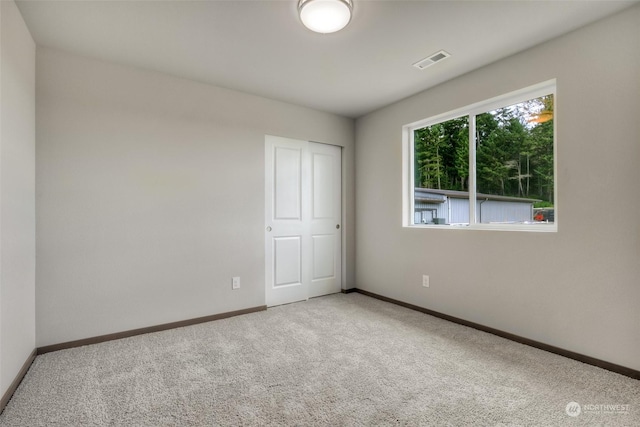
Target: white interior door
302, 211
325, 219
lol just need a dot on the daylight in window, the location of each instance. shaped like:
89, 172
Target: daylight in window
513, 150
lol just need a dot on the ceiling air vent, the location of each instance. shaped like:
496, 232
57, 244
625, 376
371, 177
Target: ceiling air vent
430, 60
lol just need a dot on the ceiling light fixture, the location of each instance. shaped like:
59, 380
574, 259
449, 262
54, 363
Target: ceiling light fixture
325, 16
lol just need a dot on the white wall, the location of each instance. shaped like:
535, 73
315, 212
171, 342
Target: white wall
578, 289
17, 193
151, 195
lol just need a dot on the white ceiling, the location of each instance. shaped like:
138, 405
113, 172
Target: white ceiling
261, 47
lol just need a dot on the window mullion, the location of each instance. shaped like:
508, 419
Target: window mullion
472, 169
412, 175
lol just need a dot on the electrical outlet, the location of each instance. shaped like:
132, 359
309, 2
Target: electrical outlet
235, 283
425, 281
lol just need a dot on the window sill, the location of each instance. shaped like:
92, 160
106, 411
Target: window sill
533, 227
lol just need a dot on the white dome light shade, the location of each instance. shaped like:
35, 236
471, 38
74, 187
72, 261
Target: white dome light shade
325, 16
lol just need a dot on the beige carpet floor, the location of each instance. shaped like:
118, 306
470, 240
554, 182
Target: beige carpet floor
340, 360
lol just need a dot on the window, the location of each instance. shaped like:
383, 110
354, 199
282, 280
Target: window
490, 165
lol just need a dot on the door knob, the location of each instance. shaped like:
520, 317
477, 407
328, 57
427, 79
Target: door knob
269, 229
337, 226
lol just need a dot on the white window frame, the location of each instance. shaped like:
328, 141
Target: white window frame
471, 111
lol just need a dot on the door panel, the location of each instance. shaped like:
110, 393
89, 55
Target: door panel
323, 186
286, 205
302, 215
326, 196
323, 257
287, 256
288, 183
